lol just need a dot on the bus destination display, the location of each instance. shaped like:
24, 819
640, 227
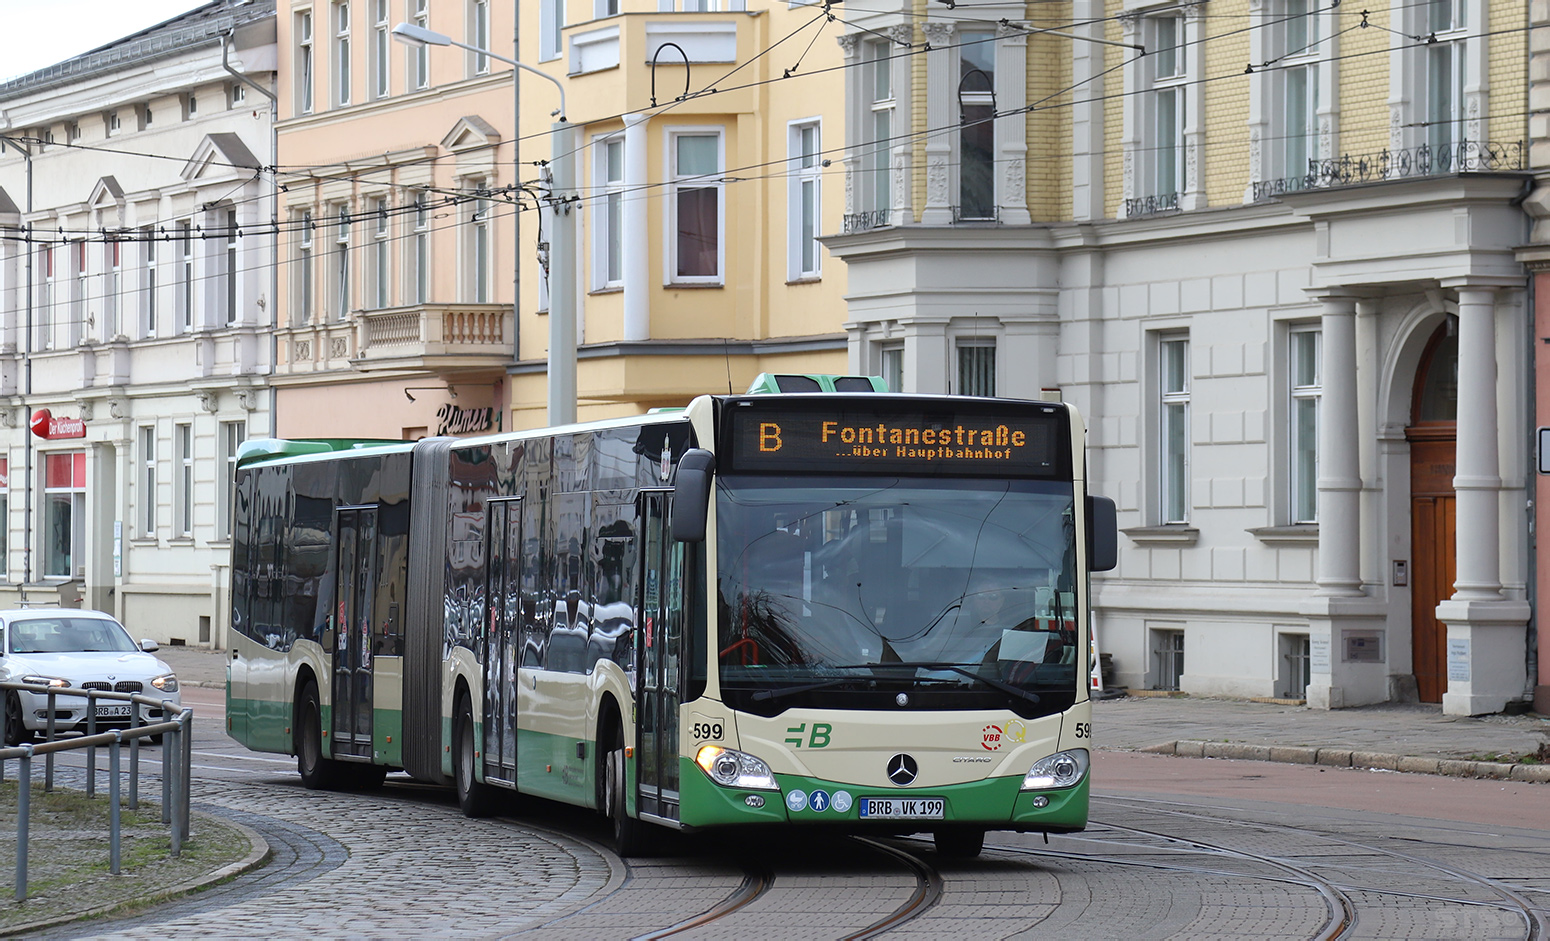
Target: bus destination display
789, 440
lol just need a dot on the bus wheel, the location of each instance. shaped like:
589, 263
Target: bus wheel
476, 799
317, 773
959, 844
629, 833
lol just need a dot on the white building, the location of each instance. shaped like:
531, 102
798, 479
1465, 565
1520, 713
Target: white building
1286, 298
135, 307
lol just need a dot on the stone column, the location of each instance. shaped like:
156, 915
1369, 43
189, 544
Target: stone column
1344, 623
1340, 480
1486, 631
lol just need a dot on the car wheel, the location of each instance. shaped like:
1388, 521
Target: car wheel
317, 773
15, 728
476, 799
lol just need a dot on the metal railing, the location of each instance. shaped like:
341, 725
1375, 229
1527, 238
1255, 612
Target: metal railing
177, 761
1463, 156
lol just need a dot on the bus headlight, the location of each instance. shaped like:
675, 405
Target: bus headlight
1062, 769
730, 768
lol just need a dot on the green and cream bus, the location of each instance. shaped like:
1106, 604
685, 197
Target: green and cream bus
851, 610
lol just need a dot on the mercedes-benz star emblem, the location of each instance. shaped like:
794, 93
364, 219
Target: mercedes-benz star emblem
902, 770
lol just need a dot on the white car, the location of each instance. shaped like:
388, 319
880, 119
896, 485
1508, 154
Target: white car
66, 647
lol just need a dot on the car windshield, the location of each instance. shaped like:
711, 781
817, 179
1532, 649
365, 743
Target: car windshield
68, 635
959, 594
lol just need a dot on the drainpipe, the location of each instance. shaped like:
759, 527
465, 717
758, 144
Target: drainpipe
274, 221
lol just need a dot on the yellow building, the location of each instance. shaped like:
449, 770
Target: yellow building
678, 229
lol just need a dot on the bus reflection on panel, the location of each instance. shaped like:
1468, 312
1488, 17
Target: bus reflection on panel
845, 610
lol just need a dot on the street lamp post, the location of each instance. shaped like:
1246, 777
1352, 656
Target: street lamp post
562, 283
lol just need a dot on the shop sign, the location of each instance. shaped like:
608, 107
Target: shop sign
45, 425
464, 421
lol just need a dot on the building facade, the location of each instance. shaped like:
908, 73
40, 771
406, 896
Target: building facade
673, 233
1271, 254
135, 310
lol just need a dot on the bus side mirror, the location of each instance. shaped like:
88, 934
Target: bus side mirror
691, 494
1102, 535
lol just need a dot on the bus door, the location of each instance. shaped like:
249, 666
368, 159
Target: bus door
355, 592
500, 648
660, 655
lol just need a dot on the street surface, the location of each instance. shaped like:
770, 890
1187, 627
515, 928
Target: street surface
1178, 848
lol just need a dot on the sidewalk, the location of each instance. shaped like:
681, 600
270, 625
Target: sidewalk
1395, 736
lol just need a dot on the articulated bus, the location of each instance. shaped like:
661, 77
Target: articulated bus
863, 611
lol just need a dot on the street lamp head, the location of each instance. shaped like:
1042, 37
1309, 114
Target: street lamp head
412, 35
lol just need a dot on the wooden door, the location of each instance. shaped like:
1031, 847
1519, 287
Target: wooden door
1432, 554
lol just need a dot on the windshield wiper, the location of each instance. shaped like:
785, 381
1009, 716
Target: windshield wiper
785, 691
960, 668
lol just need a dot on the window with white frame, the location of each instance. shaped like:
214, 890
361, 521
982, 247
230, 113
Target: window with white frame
1173, 428
551, 23
340, 299
1162, 140
236, 95
604, 8
185, 275
304, 286
877, 133
419, 256
479, 35
608, 225
183, 497
891, 362
148, 289
47, 255
1296, 80
1306, 386
64, 513
804, 151
341, 52
381, 50
695, 206
976, 366
477, 249
305, 62
380, 243
78, 291
112, 286
1445, 23
228, 266
233, 434
976, 92
147, 481
419, 55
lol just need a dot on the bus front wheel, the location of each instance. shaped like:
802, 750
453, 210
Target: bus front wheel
959, 844
317, 773
476, 799
629, 833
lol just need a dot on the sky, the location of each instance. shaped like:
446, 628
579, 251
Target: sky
37, 33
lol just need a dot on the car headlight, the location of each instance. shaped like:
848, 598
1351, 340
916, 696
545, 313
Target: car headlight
1062, 769
54, 681
167, 682
730, 768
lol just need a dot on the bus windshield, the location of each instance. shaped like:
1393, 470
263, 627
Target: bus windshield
889, 592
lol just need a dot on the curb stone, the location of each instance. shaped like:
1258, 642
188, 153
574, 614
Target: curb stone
258, 854
1348, 758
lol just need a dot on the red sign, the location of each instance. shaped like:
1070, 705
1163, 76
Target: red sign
45, 425
5, 472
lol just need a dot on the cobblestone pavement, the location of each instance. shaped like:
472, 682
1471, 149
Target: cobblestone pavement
404, 860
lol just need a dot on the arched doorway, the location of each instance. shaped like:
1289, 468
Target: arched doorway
1433, 451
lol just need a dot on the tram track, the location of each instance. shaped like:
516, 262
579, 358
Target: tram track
1535, 918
